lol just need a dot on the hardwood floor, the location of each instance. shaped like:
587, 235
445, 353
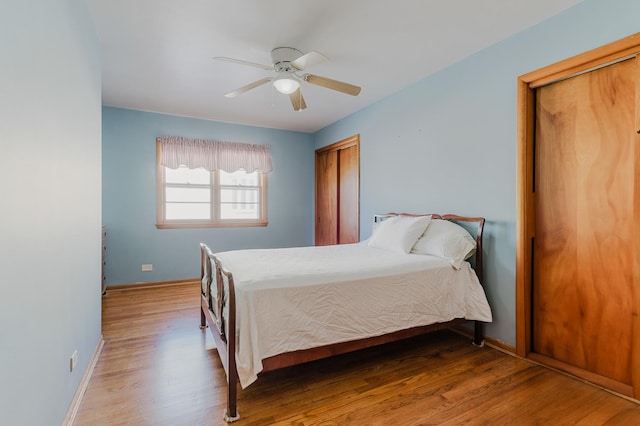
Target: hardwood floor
158, 368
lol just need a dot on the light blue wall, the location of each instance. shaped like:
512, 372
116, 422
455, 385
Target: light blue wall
129, 196
50, 186
448, 143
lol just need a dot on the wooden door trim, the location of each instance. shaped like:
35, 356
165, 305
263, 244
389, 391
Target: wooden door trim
526, 84
526, 216
635, 344
344, 143
596, 58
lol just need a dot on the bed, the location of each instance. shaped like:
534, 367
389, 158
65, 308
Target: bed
273, 308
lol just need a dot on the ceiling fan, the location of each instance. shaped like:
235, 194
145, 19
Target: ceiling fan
288, 64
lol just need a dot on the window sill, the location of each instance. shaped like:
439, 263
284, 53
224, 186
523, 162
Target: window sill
210, 225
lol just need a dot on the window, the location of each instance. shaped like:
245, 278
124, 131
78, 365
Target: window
198, 198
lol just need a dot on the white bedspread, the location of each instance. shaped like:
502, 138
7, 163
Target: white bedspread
299, 298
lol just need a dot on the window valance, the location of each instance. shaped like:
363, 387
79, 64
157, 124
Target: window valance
214, 155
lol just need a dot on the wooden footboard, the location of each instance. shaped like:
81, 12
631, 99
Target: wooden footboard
218, 310
217, 297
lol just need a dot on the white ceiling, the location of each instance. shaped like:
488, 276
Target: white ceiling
157, 54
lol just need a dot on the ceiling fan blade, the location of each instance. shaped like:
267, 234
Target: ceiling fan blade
308, 60
340, 86
241, 62
297, 101
248, 87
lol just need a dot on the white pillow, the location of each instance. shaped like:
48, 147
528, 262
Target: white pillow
399, 233
377, 220
447, 240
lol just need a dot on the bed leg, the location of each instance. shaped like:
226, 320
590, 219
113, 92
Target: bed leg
230, 419
231, 414
203, 320
478, 334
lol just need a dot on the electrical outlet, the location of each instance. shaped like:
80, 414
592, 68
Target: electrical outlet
73, 361
147, 267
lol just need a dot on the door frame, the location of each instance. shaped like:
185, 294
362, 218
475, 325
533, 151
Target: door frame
526, 104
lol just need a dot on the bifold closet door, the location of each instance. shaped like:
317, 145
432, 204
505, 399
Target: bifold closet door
348, 189
338, 193
585, 209
326, 198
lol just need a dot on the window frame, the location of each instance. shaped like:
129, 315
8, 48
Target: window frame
215, 189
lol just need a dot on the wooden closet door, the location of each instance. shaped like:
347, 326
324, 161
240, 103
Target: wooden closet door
348, 205
326, 198
338, 193
583, 295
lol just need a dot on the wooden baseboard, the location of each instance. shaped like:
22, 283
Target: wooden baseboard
583, 375
138, 286
82, 387
489, 341
500, 345
511, 350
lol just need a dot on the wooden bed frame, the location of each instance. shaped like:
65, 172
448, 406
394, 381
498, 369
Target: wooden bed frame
212, 305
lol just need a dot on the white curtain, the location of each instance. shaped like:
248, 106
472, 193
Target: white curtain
214, 155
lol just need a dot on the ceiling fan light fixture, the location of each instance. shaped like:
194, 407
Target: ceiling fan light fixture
286, 84
289, 66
